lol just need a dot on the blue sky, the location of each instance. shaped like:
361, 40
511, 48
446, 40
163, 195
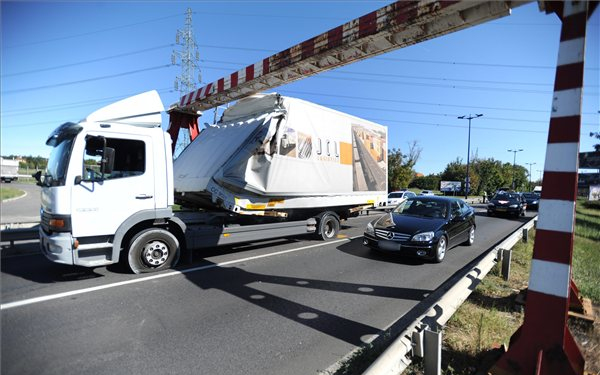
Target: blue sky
63, 60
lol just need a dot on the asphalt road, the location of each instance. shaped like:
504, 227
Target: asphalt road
292, 306
22, 210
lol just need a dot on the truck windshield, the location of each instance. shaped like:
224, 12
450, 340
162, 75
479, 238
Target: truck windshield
62, 141
57, 163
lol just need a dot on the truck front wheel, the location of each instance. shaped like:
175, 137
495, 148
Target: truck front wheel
153, 250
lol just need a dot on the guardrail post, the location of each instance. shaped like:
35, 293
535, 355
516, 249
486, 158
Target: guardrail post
525, 235
418, 346
506, 258
433, 352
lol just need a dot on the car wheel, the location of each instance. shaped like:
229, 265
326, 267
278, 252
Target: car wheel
490, 213
471, 240
440, 250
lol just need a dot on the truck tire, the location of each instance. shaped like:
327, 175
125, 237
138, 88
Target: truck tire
153, 250
329, 226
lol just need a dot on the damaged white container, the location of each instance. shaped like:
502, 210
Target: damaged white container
276, 155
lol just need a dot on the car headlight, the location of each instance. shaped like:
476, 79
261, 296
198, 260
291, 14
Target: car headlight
491, 205
534, 202
423, 237
370, 229
513, 206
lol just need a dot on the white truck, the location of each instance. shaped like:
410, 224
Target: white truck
9, 170
270, 168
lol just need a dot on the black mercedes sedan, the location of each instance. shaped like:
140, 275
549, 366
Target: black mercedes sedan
423, 226
533, 200
507, 203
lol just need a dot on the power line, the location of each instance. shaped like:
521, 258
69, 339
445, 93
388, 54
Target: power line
60, 107
475, 64
88, 61
418, 103
421, 84
239, 65
90, 32
26, 111
433, 114
446, 62
87, 80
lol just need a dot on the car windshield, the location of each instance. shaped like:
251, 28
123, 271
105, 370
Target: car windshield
395, 195
423, 208
506, 196
530, 195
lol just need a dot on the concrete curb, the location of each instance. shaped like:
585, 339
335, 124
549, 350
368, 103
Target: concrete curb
15, 198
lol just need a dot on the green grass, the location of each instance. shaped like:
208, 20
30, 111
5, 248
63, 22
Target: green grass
586, 253
8, 192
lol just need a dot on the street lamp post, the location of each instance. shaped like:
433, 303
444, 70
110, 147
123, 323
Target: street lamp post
530, 164
469, 117
514, 163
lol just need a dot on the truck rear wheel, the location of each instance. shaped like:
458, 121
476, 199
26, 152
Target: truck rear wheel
153, 250
329, 226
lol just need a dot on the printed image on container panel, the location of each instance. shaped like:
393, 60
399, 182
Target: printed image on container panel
287, 145
369, 147
304, 146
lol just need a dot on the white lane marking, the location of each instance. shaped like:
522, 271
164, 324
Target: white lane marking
30, 301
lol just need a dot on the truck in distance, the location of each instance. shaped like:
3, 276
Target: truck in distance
9, 170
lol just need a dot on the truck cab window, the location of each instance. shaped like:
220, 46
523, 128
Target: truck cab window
130, 158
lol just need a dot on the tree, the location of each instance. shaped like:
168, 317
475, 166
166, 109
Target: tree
429, 182
489, 172
597, 136
400, 166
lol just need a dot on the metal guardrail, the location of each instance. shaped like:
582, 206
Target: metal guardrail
422, 338
19, 234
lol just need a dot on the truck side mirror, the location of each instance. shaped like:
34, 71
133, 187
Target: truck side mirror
38, 177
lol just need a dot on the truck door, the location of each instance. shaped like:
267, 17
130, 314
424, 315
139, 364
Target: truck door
102, 201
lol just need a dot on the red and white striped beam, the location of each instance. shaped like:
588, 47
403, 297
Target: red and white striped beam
400, 24
543, 344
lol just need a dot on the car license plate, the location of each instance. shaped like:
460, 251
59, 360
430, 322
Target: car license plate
389, 245
501, 209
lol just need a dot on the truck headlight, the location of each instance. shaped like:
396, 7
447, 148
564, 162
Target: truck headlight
370, 229
423, 237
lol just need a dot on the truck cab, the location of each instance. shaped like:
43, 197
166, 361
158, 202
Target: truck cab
107, 175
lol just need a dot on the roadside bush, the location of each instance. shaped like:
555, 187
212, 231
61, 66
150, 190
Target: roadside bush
592, 204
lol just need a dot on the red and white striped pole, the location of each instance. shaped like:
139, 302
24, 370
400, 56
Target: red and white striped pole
543, 344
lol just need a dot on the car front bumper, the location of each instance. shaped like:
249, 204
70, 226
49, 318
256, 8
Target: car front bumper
407, 248
504, 210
